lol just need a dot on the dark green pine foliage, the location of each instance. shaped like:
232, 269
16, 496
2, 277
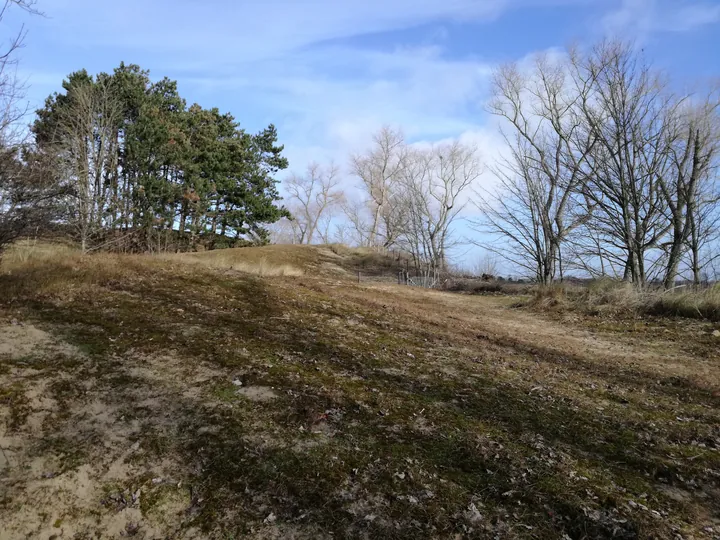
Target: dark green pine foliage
182, 174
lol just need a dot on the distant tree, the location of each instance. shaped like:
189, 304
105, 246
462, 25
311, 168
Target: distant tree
432, 184
379, 170
312, 198
486, 264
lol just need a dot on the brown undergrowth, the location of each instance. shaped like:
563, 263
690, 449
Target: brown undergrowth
614, 298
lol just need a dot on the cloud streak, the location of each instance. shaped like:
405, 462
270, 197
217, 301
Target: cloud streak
643, 17
223, 31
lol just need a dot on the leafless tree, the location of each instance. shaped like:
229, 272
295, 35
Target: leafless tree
87, 147
609, 172
690, 188
28, 190
433, 182
281, 232
486, 264
311, 200
12, 88
534, 210
357, 213
379, 170
629, 112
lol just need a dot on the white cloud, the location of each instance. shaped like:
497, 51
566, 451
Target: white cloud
226, 31
325, 111
639, 18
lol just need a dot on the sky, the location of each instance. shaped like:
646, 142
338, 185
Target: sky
329, 73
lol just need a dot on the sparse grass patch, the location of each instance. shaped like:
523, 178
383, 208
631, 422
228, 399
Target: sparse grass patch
225, 392
263, 268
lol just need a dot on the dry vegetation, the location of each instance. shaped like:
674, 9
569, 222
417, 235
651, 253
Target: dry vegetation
150, 397
612, 298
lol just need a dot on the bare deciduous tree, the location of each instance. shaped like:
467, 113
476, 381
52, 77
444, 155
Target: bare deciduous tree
87, 147
312, 199
28, 191
486, 265
629, 113
533, 212
609, 172
379, 170
689, 187
12, 89
432, 184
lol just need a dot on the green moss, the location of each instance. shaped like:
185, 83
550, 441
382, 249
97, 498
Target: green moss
13, 397
226, 392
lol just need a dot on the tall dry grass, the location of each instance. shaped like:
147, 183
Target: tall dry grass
608, 297
27, 251
230, 261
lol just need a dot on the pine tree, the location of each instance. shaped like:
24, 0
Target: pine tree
178, 174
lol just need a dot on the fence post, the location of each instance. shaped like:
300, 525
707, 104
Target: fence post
358, 276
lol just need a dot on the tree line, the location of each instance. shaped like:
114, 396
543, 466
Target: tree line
608, 171
408, 198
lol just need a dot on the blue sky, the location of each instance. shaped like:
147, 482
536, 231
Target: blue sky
328, 73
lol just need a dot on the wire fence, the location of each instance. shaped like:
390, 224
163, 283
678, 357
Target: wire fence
402, 277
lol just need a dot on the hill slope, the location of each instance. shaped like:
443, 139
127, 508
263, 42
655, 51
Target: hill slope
295, 260
153, 397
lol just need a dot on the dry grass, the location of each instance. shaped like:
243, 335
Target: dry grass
264, 267
704, 304
32, 250
478, 286
334, 260
609, 297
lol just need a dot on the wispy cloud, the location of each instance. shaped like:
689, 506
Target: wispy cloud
325, 111
221, 30
278, 60
640, 18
